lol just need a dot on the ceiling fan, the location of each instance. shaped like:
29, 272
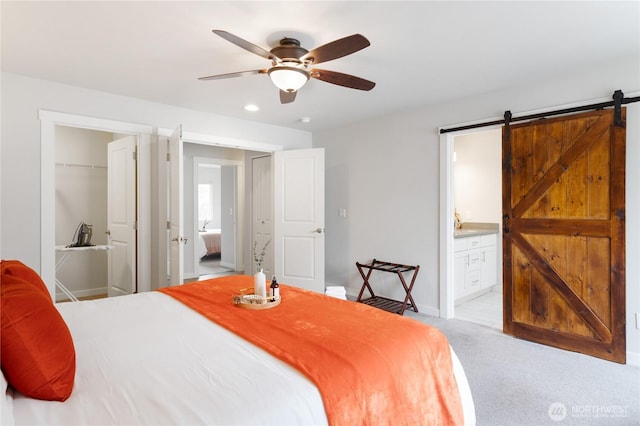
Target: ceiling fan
292, 65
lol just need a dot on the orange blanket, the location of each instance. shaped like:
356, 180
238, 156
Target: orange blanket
371, 367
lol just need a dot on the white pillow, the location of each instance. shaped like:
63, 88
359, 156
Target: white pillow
6, 403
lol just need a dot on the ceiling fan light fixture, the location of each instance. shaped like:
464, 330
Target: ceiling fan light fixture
287, 78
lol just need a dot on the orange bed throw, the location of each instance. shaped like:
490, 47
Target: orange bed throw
371, 367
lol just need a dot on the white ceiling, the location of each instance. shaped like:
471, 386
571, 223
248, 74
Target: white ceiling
421, 53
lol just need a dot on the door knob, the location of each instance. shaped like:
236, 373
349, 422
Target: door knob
319, 231
179, 239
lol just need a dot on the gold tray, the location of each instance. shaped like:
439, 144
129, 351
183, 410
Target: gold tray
253, 301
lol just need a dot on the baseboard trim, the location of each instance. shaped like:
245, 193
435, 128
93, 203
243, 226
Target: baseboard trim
82, 293
423, 309
228, 265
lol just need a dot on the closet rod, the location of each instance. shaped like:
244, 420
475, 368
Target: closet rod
89, 166
597, 106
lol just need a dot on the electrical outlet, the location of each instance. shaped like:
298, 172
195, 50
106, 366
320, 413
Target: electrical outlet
638, 320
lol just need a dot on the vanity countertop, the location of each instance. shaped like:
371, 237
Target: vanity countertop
472, 229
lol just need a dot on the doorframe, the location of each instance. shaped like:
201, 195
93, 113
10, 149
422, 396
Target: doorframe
48, 122
163, 176
447, 257
239, 165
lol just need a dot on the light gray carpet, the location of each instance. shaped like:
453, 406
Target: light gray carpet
210, 265
516, 382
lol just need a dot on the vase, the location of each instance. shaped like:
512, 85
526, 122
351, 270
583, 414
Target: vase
260, 284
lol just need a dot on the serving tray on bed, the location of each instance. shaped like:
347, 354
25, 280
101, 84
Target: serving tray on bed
253, 301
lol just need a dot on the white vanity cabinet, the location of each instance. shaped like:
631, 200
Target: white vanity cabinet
475, 265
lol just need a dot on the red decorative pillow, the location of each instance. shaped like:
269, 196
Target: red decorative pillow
20, 270
36, 349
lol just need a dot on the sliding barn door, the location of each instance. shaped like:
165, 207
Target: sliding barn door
564, 233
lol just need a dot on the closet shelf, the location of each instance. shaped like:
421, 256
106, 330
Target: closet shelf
88, 166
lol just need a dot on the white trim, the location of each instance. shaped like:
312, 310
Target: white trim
223, 141
93, 123
229, 265
98, 291
446, 227
446, 278
163, 214
48, 122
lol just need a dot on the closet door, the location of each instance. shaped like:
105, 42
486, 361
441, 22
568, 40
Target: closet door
176, 208
121, 216
299, 217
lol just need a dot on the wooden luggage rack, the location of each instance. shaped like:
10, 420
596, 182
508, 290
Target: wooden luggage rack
390, 305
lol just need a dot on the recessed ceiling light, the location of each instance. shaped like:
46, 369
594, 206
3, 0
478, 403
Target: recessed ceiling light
252, 108
305, 119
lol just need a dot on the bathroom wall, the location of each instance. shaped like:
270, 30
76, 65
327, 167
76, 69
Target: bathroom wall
477, 178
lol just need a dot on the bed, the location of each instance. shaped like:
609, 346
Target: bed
210, 242
151, 358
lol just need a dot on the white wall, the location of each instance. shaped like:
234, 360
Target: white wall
385, 173
477, 179
21, 99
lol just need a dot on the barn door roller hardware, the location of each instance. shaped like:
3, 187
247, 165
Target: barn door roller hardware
616, 103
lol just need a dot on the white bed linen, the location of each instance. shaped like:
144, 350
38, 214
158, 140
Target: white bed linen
149, 359
210, 242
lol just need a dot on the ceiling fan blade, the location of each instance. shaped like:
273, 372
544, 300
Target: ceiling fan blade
233, 74
246, 45
287, 97
337, 49
346, 80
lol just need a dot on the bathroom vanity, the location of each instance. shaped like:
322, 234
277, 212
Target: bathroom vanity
475, 260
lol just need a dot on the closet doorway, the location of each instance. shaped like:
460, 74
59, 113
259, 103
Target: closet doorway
95, 191
215, 195
81, 196
50, 123
213, 216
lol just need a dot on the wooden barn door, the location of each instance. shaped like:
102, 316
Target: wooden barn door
564, 233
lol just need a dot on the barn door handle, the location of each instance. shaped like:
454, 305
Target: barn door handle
505, 223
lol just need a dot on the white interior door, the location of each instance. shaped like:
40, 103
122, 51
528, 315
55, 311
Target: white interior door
176, 231
298, 194
121, 216
228, 202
